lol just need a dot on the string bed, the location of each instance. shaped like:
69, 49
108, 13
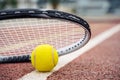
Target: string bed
22, 35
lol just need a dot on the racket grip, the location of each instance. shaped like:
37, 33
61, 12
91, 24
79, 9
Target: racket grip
15, 59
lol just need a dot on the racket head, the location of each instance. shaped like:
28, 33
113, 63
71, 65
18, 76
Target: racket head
58, 28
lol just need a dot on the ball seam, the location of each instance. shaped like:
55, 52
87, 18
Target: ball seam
53, 60
35, 59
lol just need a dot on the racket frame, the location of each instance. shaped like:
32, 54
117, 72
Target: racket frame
49, 14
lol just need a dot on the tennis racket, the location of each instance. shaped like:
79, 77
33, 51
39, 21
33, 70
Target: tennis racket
21, 30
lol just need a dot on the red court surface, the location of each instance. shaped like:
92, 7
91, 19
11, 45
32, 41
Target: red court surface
100, 63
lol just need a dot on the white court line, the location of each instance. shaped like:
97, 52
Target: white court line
63, 60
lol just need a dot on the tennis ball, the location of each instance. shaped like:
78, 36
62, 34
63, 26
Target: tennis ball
44, 58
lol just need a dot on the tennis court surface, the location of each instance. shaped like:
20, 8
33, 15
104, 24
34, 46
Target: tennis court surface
98, 60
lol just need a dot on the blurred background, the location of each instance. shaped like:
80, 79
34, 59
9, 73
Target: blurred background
85, 8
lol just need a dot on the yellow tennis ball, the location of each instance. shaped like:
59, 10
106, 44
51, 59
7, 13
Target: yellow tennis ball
44, 57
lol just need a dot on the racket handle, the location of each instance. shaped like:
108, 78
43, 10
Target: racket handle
14, 59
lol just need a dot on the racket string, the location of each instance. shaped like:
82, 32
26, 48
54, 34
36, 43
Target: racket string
21, 36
